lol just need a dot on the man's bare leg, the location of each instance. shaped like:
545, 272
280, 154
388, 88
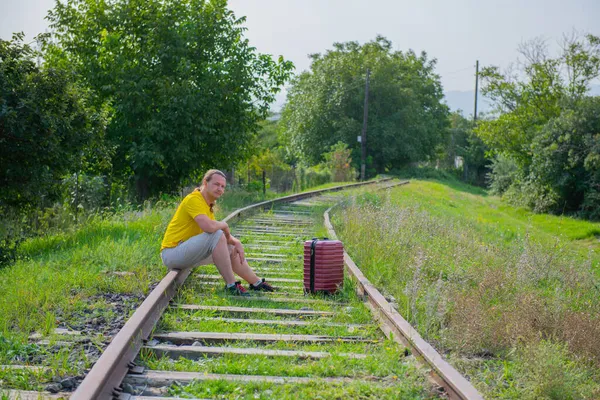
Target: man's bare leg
222, 260
243, 269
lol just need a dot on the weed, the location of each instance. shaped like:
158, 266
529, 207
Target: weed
480, 281
548, 371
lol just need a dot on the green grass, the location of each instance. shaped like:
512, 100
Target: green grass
484, 281
403, 387
387, 360
493, 217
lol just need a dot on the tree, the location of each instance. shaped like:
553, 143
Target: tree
48, 126
325, 105
546, 137
566, 160
462, 142
527, 99
187, 88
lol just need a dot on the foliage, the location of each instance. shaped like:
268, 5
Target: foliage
530, 99
504, 172
325, 105
338, 162
186, 87
462, 142
548, 128
84, 191
485, 281
307, 177
566, 158
48, 126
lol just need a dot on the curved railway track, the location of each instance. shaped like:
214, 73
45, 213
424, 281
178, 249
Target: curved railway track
290, 340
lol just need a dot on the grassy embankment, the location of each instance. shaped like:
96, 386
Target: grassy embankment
510, 295
65, 278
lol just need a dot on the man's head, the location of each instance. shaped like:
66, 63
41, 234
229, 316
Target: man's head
213, 184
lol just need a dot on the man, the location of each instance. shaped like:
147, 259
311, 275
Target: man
194, 237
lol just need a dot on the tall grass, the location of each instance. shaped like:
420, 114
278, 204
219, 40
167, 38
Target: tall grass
56, 272
476, 293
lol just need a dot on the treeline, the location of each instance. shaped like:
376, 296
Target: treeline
144, 94
545, 140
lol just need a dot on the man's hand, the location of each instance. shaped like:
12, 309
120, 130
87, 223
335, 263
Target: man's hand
225, 228
237, 245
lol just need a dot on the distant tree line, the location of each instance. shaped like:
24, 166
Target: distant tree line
545, 140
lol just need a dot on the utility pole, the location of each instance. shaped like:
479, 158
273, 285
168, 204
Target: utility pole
363, 136
476, 89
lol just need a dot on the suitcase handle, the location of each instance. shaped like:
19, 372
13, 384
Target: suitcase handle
313, 246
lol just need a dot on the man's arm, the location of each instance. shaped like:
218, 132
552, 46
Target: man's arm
210, 226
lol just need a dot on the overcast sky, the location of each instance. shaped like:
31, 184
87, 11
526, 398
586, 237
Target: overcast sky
455, 32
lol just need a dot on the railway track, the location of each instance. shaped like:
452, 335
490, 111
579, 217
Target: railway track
191, 340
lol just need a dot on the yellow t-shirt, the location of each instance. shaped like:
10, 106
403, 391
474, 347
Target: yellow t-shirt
182, 225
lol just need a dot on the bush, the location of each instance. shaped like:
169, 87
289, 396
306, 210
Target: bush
424, 172
504, 173
312, 176
85, 191
563, 173
532, 195
8, 251
338, 161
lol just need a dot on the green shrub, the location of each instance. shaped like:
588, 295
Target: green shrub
503, 174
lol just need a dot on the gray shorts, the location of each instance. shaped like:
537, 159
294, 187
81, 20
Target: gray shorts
195, 251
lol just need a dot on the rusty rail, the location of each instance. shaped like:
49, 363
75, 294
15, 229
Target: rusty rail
456, 385
104, 379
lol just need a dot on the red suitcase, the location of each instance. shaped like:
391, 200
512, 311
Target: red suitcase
323, 265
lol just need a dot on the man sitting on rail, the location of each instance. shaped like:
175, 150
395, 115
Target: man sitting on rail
194, 237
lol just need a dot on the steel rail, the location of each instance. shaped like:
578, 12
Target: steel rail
444, 374
104, 379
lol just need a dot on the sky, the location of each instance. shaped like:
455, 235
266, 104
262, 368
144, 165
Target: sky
456, 33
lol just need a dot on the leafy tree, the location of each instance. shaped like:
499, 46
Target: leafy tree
48, 126
527, 99
325, 105
566, 159
462, 142
546, 137
187, 88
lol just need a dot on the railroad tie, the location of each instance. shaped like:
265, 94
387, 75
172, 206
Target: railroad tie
198, 352
164, 378
282, 322
223, 337
282, 280
251, 310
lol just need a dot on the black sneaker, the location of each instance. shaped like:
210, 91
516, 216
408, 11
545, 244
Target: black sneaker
263, 286
237, 290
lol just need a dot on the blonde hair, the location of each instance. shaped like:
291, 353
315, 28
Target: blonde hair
210, 173
207, 177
